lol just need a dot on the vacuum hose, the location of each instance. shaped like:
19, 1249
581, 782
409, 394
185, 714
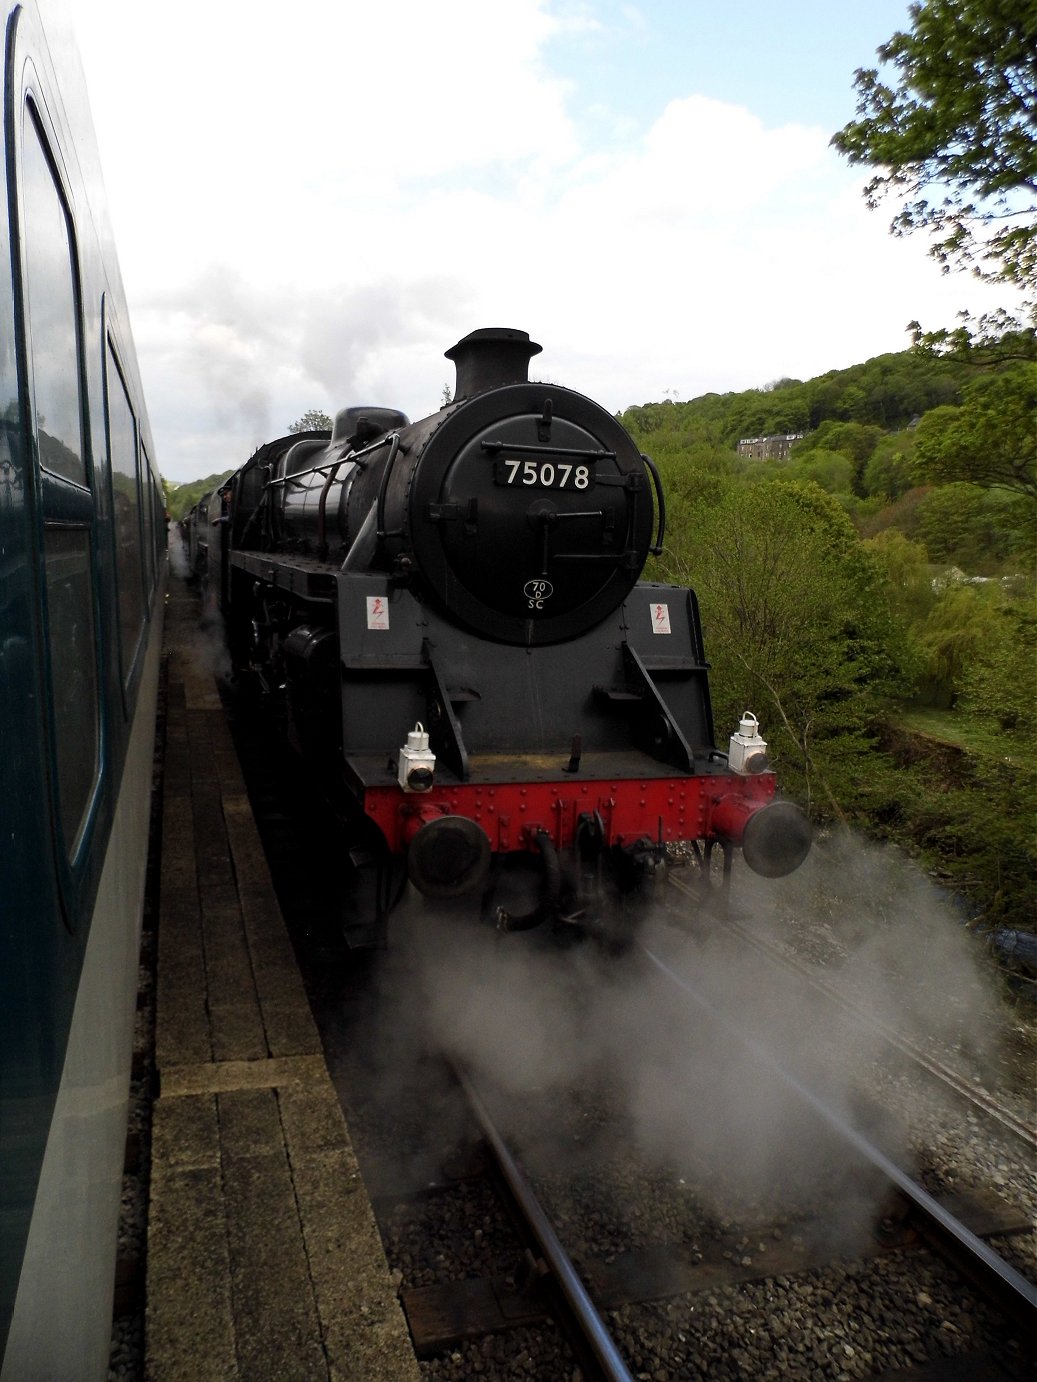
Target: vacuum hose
552, 890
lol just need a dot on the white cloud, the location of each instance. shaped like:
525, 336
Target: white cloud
312, 204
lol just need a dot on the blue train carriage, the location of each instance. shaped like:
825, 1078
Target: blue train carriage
82, 569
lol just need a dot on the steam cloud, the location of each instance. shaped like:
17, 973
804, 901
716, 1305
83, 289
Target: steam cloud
535, 1019
178, 562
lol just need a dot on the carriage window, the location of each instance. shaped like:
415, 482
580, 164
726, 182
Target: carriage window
159, 507
122, 448
70, 624
51, 317
147, 510
51, 312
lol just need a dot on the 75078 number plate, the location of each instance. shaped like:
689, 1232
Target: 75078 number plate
543, 474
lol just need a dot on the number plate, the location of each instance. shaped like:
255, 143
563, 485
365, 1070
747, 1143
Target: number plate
543, 474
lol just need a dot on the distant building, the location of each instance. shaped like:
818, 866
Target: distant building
775, 448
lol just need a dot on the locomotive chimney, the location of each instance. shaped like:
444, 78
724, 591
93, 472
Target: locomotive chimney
490, 358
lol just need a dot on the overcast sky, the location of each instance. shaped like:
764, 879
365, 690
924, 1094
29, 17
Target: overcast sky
314, 200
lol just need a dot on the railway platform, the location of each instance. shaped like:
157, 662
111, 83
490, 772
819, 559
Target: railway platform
263, 1256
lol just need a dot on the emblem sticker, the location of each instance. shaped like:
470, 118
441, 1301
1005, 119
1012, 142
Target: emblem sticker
661, 619
536, 592
377, 612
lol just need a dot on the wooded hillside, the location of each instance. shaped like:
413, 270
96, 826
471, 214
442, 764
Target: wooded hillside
871, 596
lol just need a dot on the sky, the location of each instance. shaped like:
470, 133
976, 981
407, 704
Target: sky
313, 201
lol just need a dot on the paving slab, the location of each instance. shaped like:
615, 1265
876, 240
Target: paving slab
264, 1259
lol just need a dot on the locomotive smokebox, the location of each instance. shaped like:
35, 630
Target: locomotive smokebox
491, 358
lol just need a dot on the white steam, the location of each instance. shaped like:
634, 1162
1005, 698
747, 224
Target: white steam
535, 1019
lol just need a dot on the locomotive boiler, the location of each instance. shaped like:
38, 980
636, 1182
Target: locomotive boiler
450, 614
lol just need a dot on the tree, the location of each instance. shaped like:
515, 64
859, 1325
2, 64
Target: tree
958, 626
891, 470
955, 526
987, 342
313, 420
961, 118
998, 681
181, 498
832, 470
905, 565
854, 441
797, 621
991, 440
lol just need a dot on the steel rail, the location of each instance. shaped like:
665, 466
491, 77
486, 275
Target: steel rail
988, 1271
979, 1098
581, 1307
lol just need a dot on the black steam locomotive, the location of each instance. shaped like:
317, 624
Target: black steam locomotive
450, 614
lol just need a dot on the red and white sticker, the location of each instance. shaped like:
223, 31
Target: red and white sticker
661, 619
377, 612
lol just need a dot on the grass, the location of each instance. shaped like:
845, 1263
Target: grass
970, 733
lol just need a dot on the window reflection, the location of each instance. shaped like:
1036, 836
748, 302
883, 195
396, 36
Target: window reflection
51, 312
122, 447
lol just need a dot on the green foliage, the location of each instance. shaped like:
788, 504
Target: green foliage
180, 499
986, 342
854, 439
963, 800
827, 628
982, 532
991, 439
903, 514
797, 624
832, 470
890, 470
954, 630
999, 682
955, 136
905, 568
884, 393
954, 525
313, 420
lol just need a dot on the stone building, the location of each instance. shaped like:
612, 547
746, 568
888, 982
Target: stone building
773, 448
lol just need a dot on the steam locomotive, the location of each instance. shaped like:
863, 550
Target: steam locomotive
451, 615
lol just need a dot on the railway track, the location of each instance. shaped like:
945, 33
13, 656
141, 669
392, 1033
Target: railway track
591, 1300
581, 1319
676, 1289
647, 1286
971, 1094
1007, 1288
